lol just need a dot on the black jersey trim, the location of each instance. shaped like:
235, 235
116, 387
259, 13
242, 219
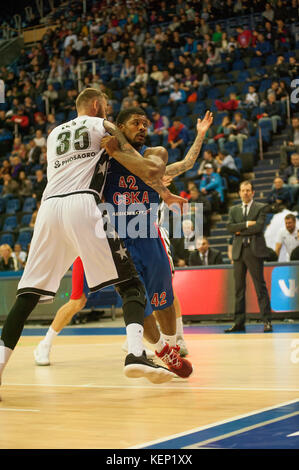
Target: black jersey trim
33, 290
93, 193
108, 283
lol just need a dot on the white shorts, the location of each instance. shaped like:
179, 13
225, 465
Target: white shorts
67, 227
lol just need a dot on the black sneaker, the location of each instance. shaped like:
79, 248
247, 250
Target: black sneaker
268, 327
141, 366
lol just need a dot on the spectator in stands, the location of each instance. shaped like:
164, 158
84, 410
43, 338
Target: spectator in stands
145, 98
39, 185
239, 130
262, 46
128, 100
252, 98
21, 120
165, 85
207, 158
51, 94
20, 256
197, 197
39, 139
34, 152
178, 135
244, 38
231, 105
291, 144
227, 168
282, 37
288, 236
51, 123
293, 67
141, 78
160, 125
269, 13
5, 169
177, 96
204, 255
127, 71
7, 261
214, 57
183, 246
25, 185
291, 176
16, 167
280, 69
272, 112
10, 186
212, 187
280, 197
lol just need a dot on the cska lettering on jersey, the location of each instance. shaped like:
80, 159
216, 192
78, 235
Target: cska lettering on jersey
124, 189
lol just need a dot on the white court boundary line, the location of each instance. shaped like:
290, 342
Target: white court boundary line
217, 423
153, 387
19, 409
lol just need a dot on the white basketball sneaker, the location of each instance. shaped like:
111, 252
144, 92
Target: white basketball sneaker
148, 352
42, 354
183, 347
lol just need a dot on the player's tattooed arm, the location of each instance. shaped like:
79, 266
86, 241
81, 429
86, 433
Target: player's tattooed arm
187, 163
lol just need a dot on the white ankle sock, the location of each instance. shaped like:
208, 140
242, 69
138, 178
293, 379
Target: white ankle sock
135, 336
51, 334
179, 327
170, 339
160, 344
5, 354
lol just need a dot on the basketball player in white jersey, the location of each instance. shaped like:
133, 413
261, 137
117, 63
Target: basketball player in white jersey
70, 224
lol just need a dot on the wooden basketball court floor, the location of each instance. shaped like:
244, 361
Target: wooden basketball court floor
84, 401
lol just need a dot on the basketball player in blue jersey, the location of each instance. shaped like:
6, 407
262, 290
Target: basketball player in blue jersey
129, 195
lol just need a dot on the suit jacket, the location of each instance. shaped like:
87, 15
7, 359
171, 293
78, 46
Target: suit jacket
255, 233
214, 257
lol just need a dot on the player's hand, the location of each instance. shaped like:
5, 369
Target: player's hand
176, 203
203, 125
250, 223
167, 179
110, 144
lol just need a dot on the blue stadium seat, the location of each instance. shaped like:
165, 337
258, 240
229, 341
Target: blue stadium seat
238, 163
166, 111
69, 84
59, 117
10, 224
250, 145
187, 121
231, 148
173, 155
12, 206
155, 140
26, 219
7, 238
213, 93
182, 110
162, 99
243, 75
2, 205
230, 89
29, 204
271, 59
72, 115
24, 238
255, 62
212, 146
238, 65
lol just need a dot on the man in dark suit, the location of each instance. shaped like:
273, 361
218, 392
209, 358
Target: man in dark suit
246, 221
204, 255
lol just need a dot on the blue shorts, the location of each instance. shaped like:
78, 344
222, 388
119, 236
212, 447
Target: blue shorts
154, 269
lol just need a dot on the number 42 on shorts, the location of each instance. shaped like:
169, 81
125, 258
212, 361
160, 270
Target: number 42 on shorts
158, 302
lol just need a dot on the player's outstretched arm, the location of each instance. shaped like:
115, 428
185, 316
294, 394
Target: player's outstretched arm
187, 163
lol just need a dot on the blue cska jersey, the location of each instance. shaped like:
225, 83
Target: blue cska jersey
131, 199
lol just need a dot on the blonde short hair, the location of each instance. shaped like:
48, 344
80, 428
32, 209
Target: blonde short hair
6, 247
88, 94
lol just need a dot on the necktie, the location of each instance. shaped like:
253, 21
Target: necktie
246, 240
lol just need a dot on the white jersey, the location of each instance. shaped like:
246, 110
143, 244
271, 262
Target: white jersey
76, 163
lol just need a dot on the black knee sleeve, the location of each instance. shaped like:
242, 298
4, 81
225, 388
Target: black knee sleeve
14, 324
133, 296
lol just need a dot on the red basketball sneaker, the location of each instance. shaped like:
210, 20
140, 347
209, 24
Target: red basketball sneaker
175, 363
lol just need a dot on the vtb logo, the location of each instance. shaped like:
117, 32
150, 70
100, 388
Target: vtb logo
284, 289
289, 291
